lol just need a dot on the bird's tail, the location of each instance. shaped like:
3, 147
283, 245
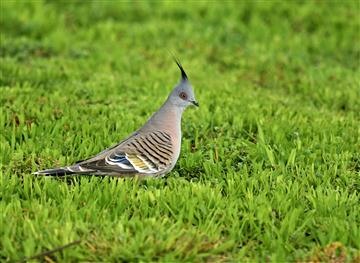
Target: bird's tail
61, 171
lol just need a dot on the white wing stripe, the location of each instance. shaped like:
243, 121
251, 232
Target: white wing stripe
121, 165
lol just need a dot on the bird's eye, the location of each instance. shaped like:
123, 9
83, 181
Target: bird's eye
183, 95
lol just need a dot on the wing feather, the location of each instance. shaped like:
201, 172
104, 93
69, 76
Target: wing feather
148, 153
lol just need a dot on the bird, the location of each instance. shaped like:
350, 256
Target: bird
150, 151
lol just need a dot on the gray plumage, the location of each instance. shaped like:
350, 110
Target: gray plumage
150, 151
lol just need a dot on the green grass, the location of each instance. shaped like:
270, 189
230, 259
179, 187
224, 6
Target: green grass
270, 162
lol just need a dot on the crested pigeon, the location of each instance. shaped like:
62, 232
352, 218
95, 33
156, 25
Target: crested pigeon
151, 151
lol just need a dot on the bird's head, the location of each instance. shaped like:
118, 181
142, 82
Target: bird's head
183, 94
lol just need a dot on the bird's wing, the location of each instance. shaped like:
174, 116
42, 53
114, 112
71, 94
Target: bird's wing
147, 153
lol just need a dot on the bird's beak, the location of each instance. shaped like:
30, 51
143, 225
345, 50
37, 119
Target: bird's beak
194, 102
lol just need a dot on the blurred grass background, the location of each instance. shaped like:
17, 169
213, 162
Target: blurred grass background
270, 162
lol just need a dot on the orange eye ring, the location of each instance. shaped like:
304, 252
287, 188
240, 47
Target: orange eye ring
183, 95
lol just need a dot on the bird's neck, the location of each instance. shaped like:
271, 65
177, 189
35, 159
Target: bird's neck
168, 117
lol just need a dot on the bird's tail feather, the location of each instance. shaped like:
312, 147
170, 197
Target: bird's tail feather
61, 171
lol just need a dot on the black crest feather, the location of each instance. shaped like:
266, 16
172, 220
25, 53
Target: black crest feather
183, 74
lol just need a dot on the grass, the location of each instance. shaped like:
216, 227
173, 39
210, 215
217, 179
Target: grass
270, 162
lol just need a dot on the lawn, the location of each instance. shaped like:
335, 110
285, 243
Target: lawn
270, 162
